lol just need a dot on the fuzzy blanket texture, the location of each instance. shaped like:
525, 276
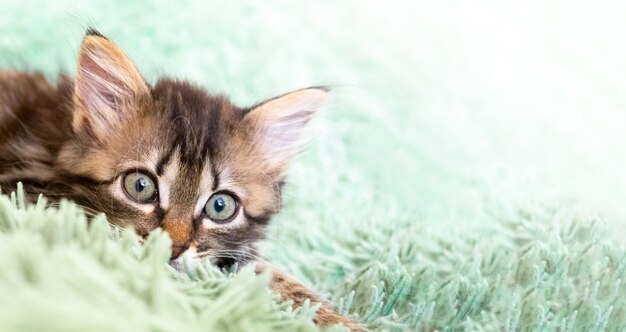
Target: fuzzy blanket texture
467, 175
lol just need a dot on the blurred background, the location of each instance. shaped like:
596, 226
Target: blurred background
442, 111
449, 182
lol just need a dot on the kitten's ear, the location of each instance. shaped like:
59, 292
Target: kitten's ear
106, 85
279, 123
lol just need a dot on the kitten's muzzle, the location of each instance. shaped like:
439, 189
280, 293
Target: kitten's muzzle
177, 250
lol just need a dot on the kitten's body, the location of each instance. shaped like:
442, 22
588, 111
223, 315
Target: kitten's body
83, 138
33, 123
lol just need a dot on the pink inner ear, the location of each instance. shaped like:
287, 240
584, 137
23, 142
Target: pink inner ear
96, 85
105, 82
281, 122
281, 135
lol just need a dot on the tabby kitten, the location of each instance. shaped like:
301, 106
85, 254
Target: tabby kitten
207, 172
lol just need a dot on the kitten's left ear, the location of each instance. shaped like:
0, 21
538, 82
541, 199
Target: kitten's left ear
279, 123
107, 83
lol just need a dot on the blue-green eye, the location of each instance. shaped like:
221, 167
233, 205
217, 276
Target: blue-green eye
221, 207
140, 187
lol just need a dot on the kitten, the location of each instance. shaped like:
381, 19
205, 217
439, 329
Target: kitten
207, 172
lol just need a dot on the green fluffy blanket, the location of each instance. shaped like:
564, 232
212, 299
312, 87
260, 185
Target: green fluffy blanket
468, 174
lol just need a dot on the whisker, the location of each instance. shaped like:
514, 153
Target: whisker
234, 254
88, 211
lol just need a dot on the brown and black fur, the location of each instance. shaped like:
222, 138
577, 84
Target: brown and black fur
55, 144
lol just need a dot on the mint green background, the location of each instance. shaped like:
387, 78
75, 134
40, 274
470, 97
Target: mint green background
445, 117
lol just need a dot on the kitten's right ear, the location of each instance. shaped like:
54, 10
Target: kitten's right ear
107, 83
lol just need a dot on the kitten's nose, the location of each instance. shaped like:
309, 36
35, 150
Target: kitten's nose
180, 229
177, 250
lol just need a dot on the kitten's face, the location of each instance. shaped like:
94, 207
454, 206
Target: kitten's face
171, 156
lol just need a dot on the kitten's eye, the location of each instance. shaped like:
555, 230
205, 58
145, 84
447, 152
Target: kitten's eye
221, 208
140, 187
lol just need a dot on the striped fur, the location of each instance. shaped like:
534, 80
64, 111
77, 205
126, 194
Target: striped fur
76, 139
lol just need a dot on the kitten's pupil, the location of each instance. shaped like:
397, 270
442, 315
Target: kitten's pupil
141, 184
219, 204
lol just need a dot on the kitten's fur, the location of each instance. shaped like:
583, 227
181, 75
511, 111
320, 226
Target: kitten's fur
78, 139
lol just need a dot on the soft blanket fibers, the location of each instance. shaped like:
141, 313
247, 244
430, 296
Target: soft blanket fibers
60, 274
468, 174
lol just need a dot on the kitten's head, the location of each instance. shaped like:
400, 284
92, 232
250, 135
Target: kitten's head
172, 156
